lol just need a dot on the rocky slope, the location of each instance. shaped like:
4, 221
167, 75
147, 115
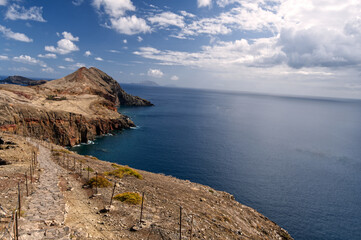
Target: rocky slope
66, 111
206, 212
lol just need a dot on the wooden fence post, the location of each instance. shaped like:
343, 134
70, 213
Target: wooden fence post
19, 198
26, 183
190, 238
141, 209
96, 182
180, 222
111, 199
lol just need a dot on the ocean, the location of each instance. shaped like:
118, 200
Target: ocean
296, 160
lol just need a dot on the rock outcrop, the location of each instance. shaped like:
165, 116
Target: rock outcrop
66, 111
94, 81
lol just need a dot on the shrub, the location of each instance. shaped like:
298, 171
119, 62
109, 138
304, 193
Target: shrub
124, 170
101, 182
55, 98
129, 197
89, 168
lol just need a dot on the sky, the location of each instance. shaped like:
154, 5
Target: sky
288, 47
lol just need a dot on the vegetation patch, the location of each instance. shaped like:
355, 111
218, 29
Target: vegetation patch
124, 170
88, 169
62, 151
55, 98
99, 181
129, 197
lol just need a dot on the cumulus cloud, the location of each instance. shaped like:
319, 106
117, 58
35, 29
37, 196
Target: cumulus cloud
87, 53
65, 45
3, 57
16, 12
13, 35
115, 11
174, 78
301, 34
139, 39
157, 73
99, 59
61, 67
125, 41
29, 60
165, 19
204, 3
77, 2
3, 2
20, 69
48, 70
48, 55
69, 59
220, 55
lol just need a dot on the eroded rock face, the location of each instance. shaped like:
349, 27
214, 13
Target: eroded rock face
85, 107
64, 128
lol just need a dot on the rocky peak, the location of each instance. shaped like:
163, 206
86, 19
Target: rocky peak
94, 81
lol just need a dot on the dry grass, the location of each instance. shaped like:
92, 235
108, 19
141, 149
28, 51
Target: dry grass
121, 171
129, 197
99, 181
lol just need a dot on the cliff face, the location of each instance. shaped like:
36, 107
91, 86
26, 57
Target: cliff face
67, 111
59, 127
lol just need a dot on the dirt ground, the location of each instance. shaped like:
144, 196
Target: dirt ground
206, 213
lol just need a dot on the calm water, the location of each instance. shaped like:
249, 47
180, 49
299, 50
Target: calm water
296, 160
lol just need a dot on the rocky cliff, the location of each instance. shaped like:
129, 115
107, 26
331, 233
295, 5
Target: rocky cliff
66, 111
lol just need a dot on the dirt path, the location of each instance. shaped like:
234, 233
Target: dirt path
45, 213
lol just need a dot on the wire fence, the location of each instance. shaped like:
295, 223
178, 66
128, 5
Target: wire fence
176, 222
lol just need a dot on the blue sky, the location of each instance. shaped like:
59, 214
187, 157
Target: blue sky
287, 47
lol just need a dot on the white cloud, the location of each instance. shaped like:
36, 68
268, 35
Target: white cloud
116, 10
69, 59
125, 41
99, 59
20, 69
70, 37
87, 53
157, 73
61, 67
48, 70
48, 55
114, 51
129, 25
3, 2
77, 2
139, 39
16, 12
204, 3
3, 57
187, 14
76, 66
165, 19
29, 60
65, 45
174, 78
13, 35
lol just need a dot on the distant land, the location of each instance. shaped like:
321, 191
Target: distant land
144, 83
19, 80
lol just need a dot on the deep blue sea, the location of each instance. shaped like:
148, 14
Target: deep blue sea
295, 160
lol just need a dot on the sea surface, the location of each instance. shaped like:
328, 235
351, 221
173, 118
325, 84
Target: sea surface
296, 160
